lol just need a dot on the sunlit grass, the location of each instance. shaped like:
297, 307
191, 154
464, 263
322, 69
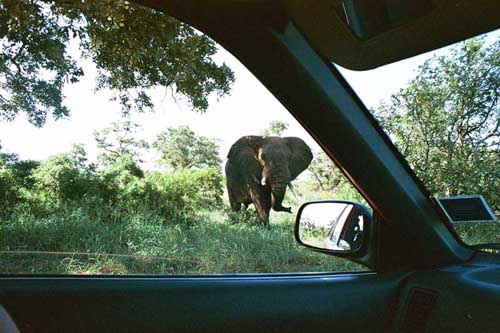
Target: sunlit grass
212, 243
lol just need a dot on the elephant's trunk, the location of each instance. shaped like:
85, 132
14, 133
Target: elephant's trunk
277, 196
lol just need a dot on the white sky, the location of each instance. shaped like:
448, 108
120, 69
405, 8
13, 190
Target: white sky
324, 213
248, 110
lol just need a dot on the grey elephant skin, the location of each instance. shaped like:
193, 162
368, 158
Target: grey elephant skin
259, 169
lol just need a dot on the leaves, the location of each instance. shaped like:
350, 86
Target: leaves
135, 50
119, 140
181, 148
276, 127
325, 174
446, 121
34, 64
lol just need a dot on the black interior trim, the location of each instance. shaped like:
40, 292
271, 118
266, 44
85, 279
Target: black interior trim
216, 304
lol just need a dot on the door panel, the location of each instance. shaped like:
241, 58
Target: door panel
271, 303
460, 298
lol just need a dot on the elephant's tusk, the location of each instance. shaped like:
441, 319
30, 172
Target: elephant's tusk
293, 191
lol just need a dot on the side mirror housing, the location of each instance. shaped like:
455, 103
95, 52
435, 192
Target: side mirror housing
333, 226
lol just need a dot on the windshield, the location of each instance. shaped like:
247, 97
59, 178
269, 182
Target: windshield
442, 111
131, 143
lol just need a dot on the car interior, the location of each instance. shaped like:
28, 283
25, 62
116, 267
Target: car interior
421, 278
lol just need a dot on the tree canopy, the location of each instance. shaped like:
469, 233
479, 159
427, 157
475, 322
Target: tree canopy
135, 49
116, 141
276, 127
446, 121
326, 175
181, 148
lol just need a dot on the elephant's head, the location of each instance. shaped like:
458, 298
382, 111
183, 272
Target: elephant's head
281, 161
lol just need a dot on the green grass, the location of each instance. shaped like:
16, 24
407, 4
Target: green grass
212, 243
84, 241
473, 233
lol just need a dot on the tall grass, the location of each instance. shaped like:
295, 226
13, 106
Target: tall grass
106, 240
211, 243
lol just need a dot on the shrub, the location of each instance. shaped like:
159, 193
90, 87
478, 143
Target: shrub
58, 180
61, 182
15, 180
9, 193
116, 183
210, 187
180, 194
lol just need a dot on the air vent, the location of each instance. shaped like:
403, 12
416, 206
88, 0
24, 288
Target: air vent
418, 310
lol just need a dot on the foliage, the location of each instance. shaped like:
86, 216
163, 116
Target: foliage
135, 49
327, 180
148, 246
7, 159
66, 180
59, 179
79, 155
117, 181
115, 141
15, 175
324, 172
446, 122
276, 127
9, 193
180, 194
181, 148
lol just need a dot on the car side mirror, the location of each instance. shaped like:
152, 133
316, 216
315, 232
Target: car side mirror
333, 226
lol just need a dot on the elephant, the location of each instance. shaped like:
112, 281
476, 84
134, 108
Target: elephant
258, 170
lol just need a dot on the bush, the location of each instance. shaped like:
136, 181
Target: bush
58, 180
119, 181
180, 194
9, 193
15, 180
61, 183
210, 185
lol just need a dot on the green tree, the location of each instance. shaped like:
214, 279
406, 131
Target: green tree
79, 155
276, 127
8, 191
134, 50
328, 181
181, 148
446, 122
324, 172
7, 159
16, 177
116, 141
182, 193
120, 181
59, 179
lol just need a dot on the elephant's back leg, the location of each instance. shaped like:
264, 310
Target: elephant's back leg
233, 200
237, 188
238, 194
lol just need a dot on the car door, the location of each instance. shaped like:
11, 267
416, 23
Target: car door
409, 246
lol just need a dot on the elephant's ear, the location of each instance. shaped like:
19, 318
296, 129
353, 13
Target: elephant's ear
300, 158
250, 141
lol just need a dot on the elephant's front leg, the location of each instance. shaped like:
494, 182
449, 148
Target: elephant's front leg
261, 198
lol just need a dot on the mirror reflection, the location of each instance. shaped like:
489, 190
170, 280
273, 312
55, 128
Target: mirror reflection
332, 225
